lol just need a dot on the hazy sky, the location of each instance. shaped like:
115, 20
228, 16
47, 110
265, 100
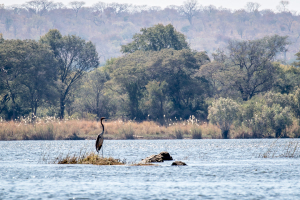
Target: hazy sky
232, 4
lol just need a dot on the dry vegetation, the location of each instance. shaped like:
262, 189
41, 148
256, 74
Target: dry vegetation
53, 129
289, 150
90, 158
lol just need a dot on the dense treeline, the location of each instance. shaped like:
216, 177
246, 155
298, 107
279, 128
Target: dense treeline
159, 77
111, 25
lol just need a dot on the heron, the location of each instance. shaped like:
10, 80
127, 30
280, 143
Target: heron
99, 140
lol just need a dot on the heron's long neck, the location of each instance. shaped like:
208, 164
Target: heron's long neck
102, 127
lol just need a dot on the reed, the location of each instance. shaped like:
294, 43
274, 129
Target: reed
289, 150
178, 134
51, 128
196, 133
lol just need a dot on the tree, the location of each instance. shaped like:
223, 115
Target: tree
223, 112
295, 103
76, 6
250, 64
185, 90
99, 7
297, 63
119, 8
75, 57
189, 9
268, 115
39, 6
156, 38
13, 55
128, 73
39, 76
252, 7
156, 99
27, 72
92, 93
282, 7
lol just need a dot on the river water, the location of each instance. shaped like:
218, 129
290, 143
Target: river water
217, 169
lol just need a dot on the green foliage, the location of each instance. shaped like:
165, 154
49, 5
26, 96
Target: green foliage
295, 103
28, 72
95, 99
156, 38
1, 38
159, 77
158, 83
156, 99
184, 90
297, 63
75, 57
223, 112
248, 65
272, 113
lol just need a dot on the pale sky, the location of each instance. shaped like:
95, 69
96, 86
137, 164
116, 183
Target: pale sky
231, 4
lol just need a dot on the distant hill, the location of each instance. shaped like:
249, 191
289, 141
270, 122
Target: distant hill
111, 25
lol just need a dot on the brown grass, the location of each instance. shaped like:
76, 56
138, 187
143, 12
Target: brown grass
91, 158
54, 129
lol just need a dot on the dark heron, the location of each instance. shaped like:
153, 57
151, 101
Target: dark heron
99, 140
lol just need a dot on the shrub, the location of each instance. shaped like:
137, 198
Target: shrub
223, 113
267, 120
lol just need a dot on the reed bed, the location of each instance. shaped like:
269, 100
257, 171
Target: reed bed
51, 128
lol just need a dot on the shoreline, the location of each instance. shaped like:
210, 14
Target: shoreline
53, 129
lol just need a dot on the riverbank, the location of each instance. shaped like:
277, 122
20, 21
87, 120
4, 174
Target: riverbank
54, 129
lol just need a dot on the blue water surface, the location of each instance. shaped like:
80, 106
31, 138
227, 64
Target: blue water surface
217, 169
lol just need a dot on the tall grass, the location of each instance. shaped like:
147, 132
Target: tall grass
196, 133
178, 134
51, 128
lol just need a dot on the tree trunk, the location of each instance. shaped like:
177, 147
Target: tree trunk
225, 134
97, 106
278, 133
62, 108
14, 107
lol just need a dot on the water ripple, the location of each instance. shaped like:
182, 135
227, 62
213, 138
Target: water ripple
217, 169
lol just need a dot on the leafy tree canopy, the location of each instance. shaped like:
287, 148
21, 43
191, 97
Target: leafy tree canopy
156, 38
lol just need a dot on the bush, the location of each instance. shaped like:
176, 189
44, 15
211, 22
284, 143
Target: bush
268, 116
223, 113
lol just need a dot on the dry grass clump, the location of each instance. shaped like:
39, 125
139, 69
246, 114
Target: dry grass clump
90, 158
94, 159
